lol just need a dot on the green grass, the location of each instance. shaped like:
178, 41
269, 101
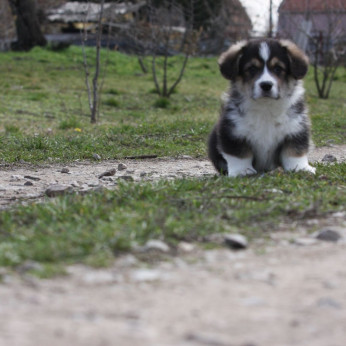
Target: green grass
44, 97
93, 228
44, 114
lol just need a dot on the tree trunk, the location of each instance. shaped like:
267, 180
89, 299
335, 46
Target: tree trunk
27, 24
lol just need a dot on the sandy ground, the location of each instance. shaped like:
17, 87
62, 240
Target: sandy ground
278, 292
83, 176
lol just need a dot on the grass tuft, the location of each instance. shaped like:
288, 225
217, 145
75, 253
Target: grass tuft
112, 102
162, 102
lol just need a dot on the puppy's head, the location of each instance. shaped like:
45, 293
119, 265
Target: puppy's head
264, 68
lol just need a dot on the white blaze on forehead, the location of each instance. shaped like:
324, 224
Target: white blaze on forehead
264, 51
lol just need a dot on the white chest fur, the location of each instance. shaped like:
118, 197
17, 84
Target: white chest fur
265, 123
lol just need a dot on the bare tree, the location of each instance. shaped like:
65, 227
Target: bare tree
27, 24
320, 30
93, 88
165, 35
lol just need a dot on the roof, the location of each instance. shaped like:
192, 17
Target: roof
312, 6
90, 11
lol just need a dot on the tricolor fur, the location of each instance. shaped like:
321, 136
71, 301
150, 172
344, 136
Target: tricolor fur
263, 122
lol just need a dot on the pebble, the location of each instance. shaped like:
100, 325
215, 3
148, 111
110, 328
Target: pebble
96, 156
28, 266
253, 301
100, 277
57, 190
185, 247
122, 167
31, 177
126, 177
28, 183
93, 183
305, 241
141, 275
75, 184
108, 173
329, 158
327, 234
65, 170
142, 174
236, 241
327, 302
16, 177
156, 245
107, 179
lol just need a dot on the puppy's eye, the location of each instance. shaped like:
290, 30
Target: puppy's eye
277, 69
252, 70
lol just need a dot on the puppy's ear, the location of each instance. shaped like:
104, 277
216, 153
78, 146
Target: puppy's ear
299, 62
229, 61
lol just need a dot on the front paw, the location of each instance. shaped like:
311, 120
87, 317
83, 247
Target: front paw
241, 172
308, 168
296, 164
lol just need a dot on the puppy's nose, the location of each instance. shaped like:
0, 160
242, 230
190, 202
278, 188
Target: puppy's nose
266, 86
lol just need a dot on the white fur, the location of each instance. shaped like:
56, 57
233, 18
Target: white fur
264, 51
291, 163
237, 166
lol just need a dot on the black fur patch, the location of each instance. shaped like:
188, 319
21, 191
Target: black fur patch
299, 107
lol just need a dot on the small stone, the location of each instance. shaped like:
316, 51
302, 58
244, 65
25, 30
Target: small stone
253, 301
28, 183
29, 266
57, 190
105, 179
126, 177
31, 177
122, 167
65, 170
94, 183
142, 174
327, 302
305, 241
108, 173
75, 184
328, 235
100, 277
16, 177
329, 158
185, 247
156, 245
235, 241
96, 156
141, 275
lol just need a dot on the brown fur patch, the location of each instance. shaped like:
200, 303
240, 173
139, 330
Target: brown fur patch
253, 62
276, 61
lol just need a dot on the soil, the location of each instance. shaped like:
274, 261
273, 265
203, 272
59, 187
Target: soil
287, 290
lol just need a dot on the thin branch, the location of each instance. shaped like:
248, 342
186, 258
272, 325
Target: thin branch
180, 75
154, 75
86, 69
97, 67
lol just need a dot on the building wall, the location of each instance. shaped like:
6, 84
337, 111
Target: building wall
291, 24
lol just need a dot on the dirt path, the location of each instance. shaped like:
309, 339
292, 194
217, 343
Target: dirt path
278, 292
274, 295
27, 182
